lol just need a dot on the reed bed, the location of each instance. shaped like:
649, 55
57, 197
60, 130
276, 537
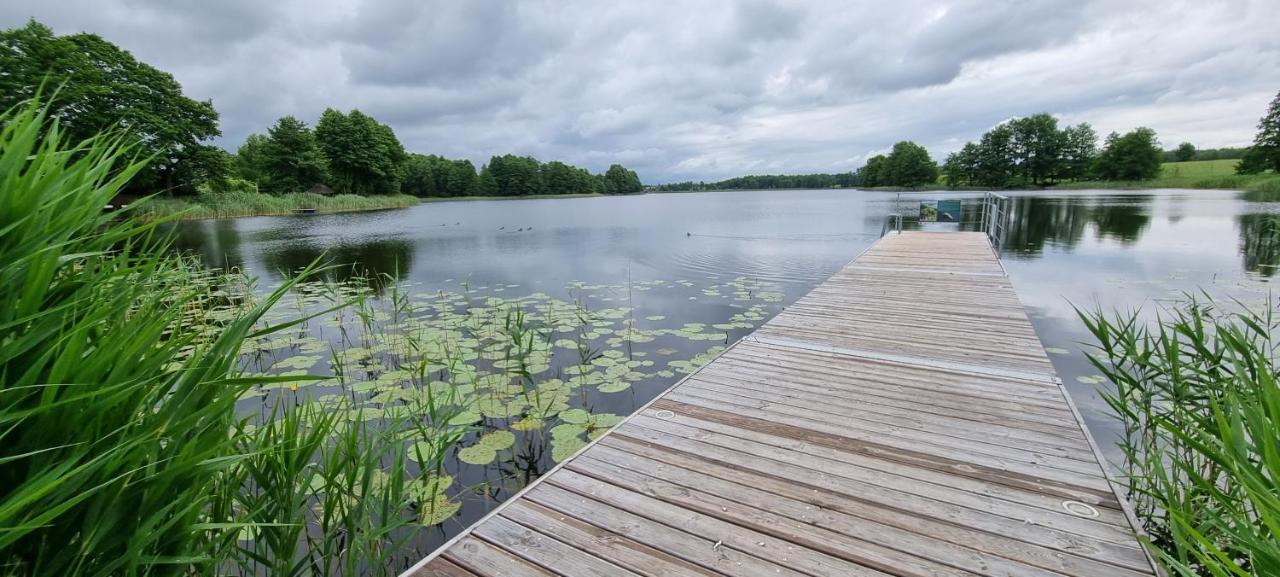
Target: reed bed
122, 447
1197, 394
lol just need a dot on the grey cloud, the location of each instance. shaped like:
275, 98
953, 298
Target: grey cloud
703, 89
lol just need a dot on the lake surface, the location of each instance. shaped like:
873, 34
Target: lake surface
710, 258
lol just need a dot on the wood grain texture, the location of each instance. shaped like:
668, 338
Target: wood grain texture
900, 419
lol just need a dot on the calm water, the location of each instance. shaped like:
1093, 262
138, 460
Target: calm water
1090, 248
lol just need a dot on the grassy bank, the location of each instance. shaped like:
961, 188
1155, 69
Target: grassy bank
233, 204
1198, 396
1195, 174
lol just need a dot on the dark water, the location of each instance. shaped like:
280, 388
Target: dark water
1087, 248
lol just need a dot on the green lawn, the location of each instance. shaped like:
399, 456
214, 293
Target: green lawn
1199, 168
1203, 174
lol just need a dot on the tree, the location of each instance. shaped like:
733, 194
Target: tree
364, 156
1079, 147
96, 86
961, 166
250, 161
873, 173
516, 175
1133, 156
908, 164
1185, 151
486, 185
1036, 147
995, 157
431, 175
291, 158
619, 180
1265, 152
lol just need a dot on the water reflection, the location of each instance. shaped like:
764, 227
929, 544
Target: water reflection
1062, 222
376, 260
216, 242
1260, 242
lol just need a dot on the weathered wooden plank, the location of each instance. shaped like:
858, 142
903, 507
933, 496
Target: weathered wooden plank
442, 567
607, 545
988, 470
891, 481
702, 539
482, 558
798, 526
545, 551
1010, 538
792, 393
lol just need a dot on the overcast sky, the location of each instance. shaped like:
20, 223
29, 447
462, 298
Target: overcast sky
703, 89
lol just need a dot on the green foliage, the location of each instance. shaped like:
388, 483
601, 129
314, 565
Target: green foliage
1225, 153
364, 155
251, 159
559, 177
875, 172
434, 176
1198, 174
241, 202
1030, 151
908, 164
1200, 403
516, 175
1185, 152
109, 452
291, 159
768, 182
619, 180
100, 87
504, 176
1133, 156
1265, 152
1037, 147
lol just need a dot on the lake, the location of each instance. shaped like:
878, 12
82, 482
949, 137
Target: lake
672, 277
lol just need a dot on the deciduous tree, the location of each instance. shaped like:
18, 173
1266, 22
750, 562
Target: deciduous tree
1133, 156
364, 156
1265, 152
291, 157
96, 86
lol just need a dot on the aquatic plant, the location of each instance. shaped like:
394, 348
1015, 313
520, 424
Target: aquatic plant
1198, 396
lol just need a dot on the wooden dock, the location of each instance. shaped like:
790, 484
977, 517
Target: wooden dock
901, 419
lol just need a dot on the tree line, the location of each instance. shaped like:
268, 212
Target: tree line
767, 182
354, 153
1032, 151
93, 86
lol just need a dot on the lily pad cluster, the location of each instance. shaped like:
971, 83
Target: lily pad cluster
503, 378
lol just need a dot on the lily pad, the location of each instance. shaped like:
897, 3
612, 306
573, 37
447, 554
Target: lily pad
498, 440
614, 387
575, 416
477, 455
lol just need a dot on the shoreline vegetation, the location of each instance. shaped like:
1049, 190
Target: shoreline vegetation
1185, 175
246, 204
1198, 396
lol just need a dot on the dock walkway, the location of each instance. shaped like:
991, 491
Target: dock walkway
901, 419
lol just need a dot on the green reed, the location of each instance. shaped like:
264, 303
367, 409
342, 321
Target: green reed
1198, 396
120, 373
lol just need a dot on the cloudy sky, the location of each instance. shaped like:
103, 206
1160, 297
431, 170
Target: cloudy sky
704, 89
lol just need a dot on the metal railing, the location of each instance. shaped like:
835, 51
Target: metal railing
995, 217
892, 218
